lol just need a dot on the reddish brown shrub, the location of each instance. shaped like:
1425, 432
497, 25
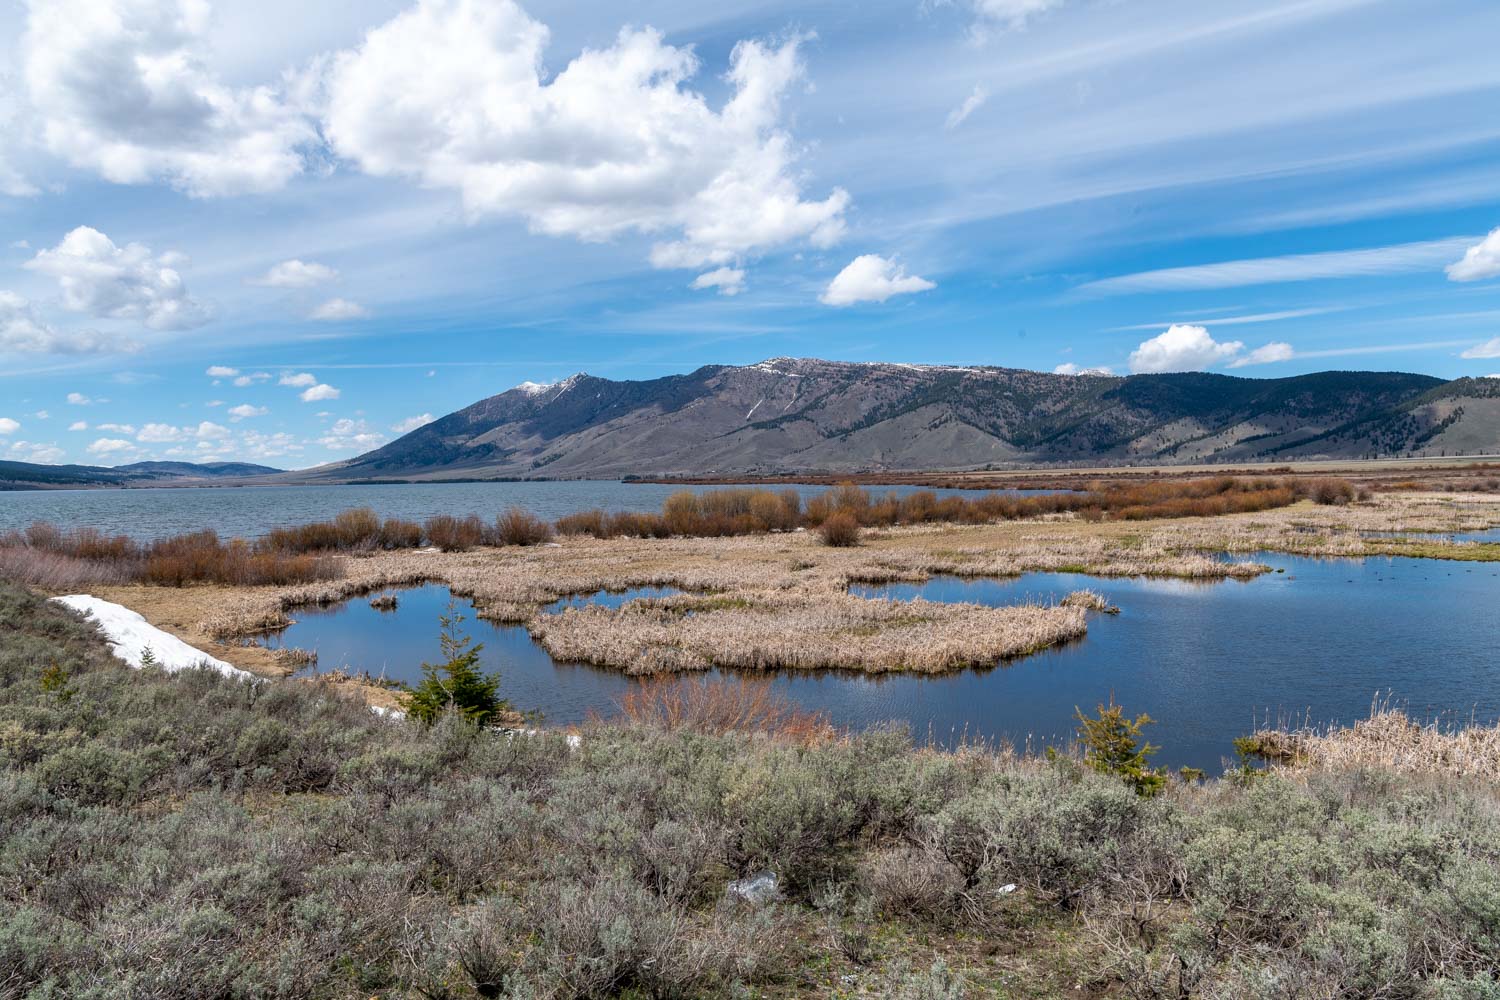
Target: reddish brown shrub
839, 530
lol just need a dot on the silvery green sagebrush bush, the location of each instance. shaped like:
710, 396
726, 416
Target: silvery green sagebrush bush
188, 836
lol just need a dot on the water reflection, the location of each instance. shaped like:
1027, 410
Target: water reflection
1208, 661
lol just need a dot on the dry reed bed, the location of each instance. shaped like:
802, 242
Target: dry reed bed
769, 630
1389, 741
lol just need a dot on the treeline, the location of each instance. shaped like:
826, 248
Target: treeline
48, 556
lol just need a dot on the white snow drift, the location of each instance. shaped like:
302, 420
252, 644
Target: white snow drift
129, 635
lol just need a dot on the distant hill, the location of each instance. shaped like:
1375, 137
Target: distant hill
790, 415
27, 476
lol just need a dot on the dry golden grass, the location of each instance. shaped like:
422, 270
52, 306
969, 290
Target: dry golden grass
772, 630
1389, 741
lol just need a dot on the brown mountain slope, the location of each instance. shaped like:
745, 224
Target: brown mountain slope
806, 415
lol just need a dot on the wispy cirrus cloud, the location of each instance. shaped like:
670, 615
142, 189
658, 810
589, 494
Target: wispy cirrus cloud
1402, 258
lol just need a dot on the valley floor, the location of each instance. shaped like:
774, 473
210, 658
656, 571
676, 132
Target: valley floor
780, 600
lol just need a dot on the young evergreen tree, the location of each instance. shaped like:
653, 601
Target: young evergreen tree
457, 684
1113, 745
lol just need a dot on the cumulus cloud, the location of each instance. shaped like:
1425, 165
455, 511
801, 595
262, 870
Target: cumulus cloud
296, 274
78, 399
1488, 349
412, 423
1480, 261
728, 280
971, 104
1069, 368
35, 451
454, 94
1182, 348
23, 332
252, 378
245, 411
348, 435
104, 280
871, 278
207, 431
123, 88
336, 309
1266, 354
297, 380
110, 446
221, 371
318, 392
9, 426
79, 425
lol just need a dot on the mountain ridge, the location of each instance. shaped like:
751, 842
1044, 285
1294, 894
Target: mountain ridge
808, 415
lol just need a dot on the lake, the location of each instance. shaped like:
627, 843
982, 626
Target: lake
1316, 642
252, 511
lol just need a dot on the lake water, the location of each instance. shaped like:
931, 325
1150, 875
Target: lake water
252, 511
1209, 661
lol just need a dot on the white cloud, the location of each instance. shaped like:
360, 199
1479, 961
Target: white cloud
161, 433
1007, 15
244, 411
127, 282
157, 433
78, 399
221, 371
1069, 368
110, 446
296, 274
118, 428
871, 278
79, 425
123, 88
318, 392
412, 423
971, 104
1266, 354
1399, 259
1182, 348
30, 451
22, 332
728, 280
42, 415
1482, 260
336, 309
252, 378
298, 380
1488, 349
9, 426
267, 446
454, 94
348, 435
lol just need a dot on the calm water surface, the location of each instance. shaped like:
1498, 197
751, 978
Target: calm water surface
251, 511
1209, 661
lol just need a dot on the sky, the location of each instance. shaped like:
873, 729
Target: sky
288, 232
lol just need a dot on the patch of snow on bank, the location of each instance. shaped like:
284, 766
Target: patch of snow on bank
129, 634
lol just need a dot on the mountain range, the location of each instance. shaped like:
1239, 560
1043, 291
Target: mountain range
799, 415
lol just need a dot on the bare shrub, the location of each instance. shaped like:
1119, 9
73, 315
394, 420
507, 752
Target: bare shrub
1328, 490
840, 530
723, 706
454, 534
519, 527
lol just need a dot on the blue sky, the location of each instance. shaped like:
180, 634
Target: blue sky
359, 215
